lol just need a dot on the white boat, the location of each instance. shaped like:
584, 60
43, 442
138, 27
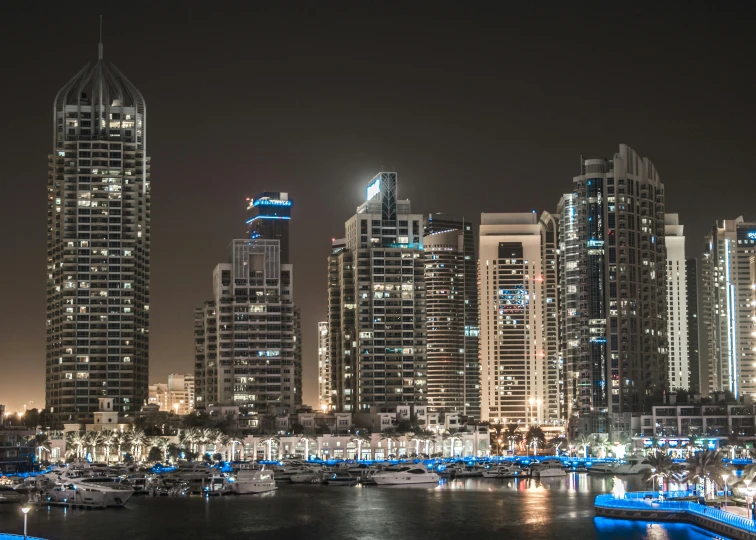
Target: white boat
632, 465
503, 471
413, 474
253, 481
603, 468
547, 469
88, 494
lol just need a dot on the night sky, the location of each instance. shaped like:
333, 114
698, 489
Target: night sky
476, 110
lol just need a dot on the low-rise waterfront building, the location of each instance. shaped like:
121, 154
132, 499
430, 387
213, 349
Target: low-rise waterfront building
17, 448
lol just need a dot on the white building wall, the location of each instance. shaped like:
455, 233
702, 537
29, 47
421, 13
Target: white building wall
513, 360
677, 304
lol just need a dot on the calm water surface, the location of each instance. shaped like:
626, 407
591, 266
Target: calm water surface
457, 509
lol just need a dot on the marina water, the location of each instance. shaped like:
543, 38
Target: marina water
472, 508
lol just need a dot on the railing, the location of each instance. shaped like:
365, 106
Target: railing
638, 503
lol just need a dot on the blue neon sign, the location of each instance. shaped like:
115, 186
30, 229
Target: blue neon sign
752, 235
271, 202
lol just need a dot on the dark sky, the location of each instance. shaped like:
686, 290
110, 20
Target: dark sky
477, 109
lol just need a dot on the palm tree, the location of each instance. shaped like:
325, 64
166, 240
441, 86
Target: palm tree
557, 442
42, 442
662, 467
162, 444
389, 435
219, 439
603, 446
206, 436
189, 437
92, 439
107, 439
534, 437
360, 439
74, 443
584, 440
136, 439
706, 465
174, 451
513, 434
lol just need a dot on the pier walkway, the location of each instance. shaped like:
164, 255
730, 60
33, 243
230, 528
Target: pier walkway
643, 506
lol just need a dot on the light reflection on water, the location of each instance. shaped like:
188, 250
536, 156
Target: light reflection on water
455, 509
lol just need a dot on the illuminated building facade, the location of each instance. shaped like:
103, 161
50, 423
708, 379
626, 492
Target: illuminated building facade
376, 319
324, 368
176, 396
613, 291
270, 216
452, 315
98, 246
694, 354
677, 304
727, 310
519, 326
248, 339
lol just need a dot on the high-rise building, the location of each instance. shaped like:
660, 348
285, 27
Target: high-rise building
519, 326
376, 320
453, 329
678, 364
727, 308
271, 213
248, 339
691, 276
613, 291
98, 246
324, 368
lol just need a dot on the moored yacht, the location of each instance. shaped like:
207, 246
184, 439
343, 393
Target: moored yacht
603, 468
632, 465
253, 481
547, 469
411, 474
503, 471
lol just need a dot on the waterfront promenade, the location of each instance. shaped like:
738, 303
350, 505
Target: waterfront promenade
646, 506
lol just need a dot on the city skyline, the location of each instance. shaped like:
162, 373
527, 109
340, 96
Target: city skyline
496, 123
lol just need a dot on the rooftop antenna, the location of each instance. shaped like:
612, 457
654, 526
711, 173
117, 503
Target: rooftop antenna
99, 47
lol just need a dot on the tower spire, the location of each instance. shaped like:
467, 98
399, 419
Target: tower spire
99, 47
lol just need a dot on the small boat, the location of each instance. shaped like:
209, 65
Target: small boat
253, 481
503, 471
341, 479
407, 475
9, 495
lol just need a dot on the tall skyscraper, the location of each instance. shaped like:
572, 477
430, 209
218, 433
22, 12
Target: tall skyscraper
691, 276
324, 367
453, 328
677, 304
377, 305
271, 213
519, 327
98, 246
248, 339
727, 310
613, 291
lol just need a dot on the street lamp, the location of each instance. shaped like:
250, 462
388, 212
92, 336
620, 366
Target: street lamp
25, 510
724, 477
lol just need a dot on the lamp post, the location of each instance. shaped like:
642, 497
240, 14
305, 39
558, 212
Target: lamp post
25, 510
724, 477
